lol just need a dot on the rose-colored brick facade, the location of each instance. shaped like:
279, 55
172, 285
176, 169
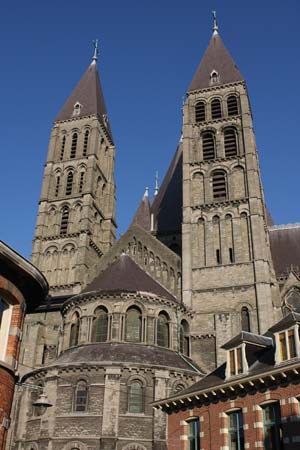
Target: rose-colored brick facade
214, 420
19, 280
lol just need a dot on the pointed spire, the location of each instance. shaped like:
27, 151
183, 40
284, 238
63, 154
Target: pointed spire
96, 51
217, 66
156, 184
142, 216
215, 27
146, 194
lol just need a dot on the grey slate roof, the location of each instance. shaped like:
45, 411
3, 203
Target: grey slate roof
128, 353
167, 205
124, 275
88, 92
216, 57
286, 322
142, 216
251, 338
285, 248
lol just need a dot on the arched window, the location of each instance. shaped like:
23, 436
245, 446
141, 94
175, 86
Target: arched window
74, 145
208, 145
216, 111
230, 142
184, 338
81, 182
57, 185
69, 185
245, 319
100, 325
62, 148
81, 396
133, 325
200, 112
85, 143
74, 331
232, 105
163, 330
5, 318
214, 77
135, 397
64, 221
219, 185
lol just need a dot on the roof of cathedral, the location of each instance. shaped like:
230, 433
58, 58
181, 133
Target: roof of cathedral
126, 352
216, 58
285, 248
89, 95
124, 275
142, 216
167, 205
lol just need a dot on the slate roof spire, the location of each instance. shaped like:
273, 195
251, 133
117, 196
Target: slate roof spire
142, 216
217, 66
87, 96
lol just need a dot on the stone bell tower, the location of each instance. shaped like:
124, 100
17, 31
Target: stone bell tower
76, 218
228, 278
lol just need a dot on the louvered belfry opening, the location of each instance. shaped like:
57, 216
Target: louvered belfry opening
230, 142
208, 145
64, 221
69, 185
200, 112
216, 111
232, 106
85, 143
74, 145
219, 185
62, 148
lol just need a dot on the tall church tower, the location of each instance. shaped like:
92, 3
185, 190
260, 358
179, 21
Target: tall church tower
228, 278
76, 218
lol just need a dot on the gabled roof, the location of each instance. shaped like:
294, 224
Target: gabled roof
216, 57
124, 275
288, 321
167, 205
142, 216
250, 338
88, 93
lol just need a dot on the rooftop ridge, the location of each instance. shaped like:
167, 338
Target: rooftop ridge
284, 226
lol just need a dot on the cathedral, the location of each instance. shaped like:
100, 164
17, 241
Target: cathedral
130, 321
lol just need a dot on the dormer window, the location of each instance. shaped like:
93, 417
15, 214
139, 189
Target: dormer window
235, 361
286, 344
214, 77
77, 109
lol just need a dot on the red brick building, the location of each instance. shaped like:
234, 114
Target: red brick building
22, 287
250, 402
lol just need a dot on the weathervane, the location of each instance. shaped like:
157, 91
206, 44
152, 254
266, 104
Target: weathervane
215, 27
96, 50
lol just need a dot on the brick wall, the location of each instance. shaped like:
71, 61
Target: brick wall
214, 421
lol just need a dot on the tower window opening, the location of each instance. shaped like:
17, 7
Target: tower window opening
74, 145
216, 111
163, 330
81, 397
135, 397
57, 186
133, 325
100, 325
232, 106
214, 77
81, 182
69, 185
219, 185
74, 330
208, 146
230, 142
85, 143
64, 221
245, 319
62, 148
218, 256
231, 255
200, 112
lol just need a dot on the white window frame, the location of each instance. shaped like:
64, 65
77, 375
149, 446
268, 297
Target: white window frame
4, 328
244, 361
295, 328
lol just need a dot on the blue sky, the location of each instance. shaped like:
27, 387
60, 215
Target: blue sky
149, 52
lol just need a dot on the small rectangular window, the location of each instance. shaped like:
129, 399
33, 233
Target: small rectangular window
194, 434
236, 431
282, 346
292, 346
239, 360
218, 256
231, 255
232, 362
272, 427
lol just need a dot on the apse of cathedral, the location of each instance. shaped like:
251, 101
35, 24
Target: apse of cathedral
133, 320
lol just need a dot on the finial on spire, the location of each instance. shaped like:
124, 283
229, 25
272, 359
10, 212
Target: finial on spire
146, 192
156, 183
96, 50
215, 27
